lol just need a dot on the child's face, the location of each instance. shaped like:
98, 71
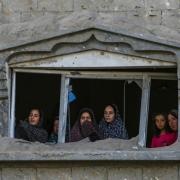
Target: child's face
160, 122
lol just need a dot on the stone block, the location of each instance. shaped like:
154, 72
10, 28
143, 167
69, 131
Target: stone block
19, 5
3, 19
171, 19
14, 17
2, 74
160, 172
162, 4
3, 84
142, 17
18, 174
153, 17
89, 173
30, 15
54, 173
108, 5
124, 173
0, 6
55, 5
139, 17
10, 17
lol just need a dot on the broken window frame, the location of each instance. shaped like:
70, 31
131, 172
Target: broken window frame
65, 79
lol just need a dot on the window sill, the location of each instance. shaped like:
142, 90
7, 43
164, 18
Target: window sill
109, 149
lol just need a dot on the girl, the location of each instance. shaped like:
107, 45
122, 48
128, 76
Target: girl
161, 135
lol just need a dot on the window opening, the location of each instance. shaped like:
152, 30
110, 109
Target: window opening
39, 91
163, 98
97, 93
43, 90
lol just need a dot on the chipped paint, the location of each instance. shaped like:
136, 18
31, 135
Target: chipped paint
95, 59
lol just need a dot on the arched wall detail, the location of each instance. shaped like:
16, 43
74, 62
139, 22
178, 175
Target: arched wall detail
91, 40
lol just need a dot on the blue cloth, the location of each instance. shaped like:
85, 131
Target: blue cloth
71, 97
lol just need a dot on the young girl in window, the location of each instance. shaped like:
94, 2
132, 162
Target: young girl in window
162, 137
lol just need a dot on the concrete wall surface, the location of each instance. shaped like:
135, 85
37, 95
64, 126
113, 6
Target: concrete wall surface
90, 171
143, 12
158, 12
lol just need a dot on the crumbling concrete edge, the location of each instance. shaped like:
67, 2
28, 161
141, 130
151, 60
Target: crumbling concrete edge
89, 156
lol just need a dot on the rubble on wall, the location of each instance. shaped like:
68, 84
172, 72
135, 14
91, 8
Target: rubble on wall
108, 149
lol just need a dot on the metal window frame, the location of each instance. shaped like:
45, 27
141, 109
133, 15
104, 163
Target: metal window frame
65, 78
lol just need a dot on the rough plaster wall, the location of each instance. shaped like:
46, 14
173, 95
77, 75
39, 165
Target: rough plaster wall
90, 171
165, 12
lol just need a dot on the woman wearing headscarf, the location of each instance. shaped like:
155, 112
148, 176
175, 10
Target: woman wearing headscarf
112, 126
32, 130
85, 126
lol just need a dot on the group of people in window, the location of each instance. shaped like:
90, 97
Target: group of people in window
165, 129
111, 126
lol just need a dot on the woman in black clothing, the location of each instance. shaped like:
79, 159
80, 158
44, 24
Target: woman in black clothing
85, 126
32, 130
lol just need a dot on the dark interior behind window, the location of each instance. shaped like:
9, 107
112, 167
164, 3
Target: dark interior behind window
96, 94
37, 90
163, 98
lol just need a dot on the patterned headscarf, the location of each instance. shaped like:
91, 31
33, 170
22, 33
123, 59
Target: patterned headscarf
114, 129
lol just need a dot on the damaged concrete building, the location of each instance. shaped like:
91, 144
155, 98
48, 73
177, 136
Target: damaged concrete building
126, 52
